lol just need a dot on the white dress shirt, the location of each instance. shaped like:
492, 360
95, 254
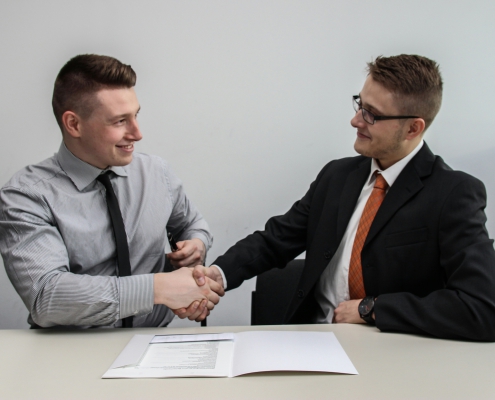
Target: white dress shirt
333, 286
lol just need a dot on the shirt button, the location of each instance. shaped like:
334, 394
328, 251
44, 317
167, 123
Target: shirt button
327, 255
300, 293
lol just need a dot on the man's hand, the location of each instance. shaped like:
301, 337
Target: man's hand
179, 289
347, 312
197, 311
191, 253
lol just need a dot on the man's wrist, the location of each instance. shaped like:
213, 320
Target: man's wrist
202, 249
224, 279
366, 309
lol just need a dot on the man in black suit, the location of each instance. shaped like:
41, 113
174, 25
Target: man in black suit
425, 263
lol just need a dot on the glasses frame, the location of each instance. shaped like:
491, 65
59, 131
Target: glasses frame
357, 106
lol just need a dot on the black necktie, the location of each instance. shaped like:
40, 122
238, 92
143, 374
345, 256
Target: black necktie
120, 236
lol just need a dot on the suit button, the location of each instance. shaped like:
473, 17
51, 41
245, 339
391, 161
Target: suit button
327, 255
300, 293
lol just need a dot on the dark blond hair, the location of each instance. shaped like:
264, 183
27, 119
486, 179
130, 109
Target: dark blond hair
415, 82
81, 77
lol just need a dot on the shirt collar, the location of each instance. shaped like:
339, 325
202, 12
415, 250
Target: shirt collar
393, 172
81, 173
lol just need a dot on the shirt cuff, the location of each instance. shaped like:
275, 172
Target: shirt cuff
136, 295
223, 275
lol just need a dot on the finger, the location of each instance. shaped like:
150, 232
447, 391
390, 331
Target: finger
189, 311
185, 261
179, 264
180, 247
191, 261
199, 275
203, 315
176, 255
213, 273
200, 310
213, 297
210, 305
185, 249
192, 308
215, 286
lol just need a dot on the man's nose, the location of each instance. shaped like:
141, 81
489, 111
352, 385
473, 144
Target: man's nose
358, 120
134, 131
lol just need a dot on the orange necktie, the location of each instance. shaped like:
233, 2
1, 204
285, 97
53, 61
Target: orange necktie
356, 285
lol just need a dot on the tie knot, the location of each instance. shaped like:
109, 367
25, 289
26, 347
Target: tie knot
380, 182
104, 179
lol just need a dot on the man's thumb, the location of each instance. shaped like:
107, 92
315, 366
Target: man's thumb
199, 275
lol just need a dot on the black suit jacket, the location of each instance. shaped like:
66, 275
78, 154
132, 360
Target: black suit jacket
427, 257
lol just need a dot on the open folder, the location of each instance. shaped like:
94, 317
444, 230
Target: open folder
230, 354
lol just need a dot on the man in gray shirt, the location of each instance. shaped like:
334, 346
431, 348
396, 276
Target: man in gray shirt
56, 234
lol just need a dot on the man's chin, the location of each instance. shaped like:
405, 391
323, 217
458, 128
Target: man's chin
122, 161
359, 148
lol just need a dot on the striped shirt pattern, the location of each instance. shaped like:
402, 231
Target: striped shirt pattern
58, 246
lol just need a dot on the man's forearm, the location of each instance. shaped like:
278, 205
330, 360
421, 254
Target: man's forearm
77, 300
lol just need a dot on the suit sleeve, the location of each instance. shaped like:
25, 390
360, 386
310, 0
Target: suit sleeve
465, 307
284, 238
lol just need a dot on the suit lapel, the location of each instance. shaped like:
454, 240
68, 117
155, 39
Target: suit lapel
350, 194
408, 183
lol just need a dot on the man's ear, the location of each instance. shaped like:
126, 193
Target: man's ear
72, 123
416, 128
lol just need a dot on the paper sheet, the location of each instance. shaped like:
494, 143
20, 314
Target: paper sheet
229, 354
258, 351
192, 338
180, 359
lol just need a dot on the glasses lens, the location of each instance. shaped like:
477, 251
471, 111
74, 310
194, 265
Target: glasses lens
355, 103
368, 117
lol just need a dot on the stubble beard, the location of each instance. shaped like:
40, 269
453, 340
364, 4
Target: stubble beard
384, 153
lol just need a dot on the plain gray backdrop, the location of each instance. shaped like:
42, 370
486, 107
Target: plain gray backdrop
247, 100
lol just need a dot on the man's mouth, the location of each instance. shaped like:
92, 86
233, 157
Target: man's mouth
362, 135
127, 146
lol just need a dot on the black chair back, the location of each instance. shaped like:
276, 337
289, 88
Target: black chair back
274, 292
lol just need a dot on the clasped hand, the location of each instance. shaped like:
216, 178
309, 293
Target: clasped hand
189, 298
198, 311
187, 288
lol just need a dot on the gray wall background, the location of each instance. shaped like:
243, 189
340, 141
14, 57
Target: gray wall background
246, 99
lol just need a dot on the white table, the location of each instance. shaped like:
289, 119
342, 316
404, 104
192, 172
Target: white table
46, 364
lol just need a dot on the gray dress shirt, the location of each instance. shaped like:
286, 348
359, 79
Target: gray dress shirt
58, 246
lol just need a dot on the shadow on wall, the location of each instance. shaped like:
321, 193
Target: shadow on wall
482, 166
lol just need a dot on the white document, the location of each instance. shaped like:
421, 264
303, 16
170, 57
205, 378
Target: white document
230, 354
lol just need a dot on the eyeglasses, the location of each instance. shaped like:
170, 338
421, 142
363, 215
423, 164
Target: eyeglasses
371, 118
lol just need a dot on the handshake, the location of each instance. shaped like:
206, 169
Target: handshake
192, 290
